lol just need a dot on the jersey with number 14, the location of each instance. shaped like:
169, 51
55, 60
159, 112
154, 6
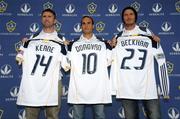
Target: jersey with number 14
132, 70
89, 81
39, 84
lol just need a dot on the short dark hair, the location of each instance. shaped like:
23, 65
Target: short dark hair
87, 17
130, 8
49, 10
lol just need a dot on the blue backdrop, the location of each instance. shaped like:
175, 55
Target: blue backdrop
21, 18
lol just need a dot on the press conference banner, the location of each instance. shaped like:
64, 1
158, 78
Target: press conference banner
21, 18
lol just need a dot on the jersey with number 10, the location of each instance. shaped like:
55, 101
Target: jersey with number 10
89, 81
41, 66
132, 70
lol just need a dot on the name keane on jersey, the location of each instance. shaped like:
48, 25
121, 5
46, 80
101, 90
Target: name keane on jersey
134, 42
88, 47
44, 48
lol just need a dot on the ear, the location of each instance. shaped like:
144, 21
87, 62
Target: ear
55, 21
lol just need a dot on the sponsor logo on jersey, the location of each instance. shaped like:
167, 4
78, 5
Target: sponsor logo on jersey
121, 113
25, 8
34, 27
70, 112
157, 7
21, 114
3, 6
100, 26
92, 8
47, 5
70, 8
173, 113
144, 24
113, 8
11, 26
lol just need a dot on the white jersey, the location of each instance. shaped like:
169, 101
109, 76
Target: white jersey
132, 70
41, 66
89, 81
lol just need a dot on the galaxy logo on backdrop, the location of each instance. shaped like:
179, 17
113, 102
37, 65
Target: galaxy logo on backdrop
176, 8
92, 8
137, 6
11, 26
144, 24
3, 8
47, 5
170, 67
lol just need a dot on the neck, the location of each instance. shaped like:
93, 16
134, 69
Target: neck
49, 30
88, 36
130, 26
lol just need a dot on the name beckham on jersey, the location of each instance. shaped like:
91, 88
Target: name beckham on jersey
44, 48
88, 47
134, 42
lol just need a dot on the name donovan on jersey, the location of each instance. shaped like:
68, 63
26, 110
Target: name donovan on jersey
88, 47
129, 42
44, 48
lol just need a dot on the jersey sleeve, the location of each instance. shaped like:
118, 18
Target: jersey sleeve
162, 70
